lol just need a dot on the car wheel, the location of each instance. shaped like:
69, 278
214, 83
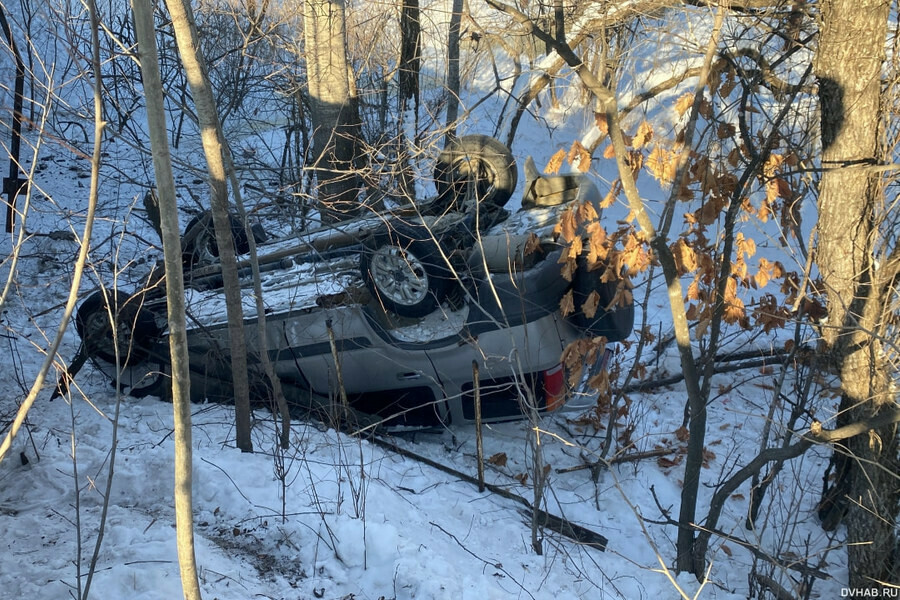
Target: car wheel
199, 246
615, 325
135, 327
406, 270
476, 164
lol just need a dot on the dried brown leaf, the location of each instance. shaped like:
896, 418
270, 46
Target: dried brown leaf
684, 103
644, 135
667, 463
634, 257
498, 460
566, 228
575, 247
656, 162
765, 208
597, 247
734, 306
709, 212
783, 188
610, 196
589, 307
602, 125
567, 304
685, 257
725, 130
745, 245
600, 381
586, 212
772, 164
556, 161
532, 245
578, 155
662, 164
569, 268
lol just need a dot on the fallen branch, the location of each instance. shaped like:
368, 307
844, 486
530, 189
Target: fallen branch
764, 358
619, 458
576, 533
767, 583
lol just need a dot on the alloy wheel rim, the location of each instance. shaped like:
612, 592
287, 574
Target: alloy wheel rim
399, 275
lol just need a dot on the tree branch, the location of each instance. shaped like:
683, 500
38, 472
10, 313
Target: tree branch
816, 435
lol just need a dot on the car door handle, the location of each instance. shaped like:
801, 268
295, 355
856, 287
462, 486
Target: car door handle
409, 376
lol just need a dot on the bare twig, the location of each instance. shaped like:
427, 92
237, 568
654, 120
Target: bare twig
495, 565
618, 459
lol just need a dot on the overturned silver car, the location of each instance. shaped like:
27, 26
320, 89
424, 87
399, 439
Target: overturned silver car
412, 312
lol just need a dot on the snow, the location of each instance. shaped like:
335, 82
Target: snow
346, 519
440, 323
294, 288
336, 516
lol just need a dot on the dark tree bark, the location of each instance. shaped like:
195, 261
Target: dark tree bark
848, 65
410, 53
408, 87
453, 68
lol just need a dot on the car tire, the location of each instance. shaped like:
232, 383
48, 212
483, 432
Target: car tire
406, 270
482, 159
199, 246
615, 325
136, 327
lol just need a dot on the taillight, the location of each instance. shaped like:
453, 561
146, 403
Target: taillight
554, 387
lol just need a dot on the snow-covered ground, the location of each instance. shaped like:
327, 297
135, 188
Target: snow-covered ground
337, 517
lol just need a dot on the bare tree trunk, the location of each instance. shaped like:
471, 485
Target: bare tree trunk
848, 65
408, 84
689, 558
261, 320
178, 349
334, 122
453, 68
410, 53
195, 67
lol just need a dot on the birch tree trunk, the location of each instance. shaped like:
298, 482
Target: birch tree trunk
178, 349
